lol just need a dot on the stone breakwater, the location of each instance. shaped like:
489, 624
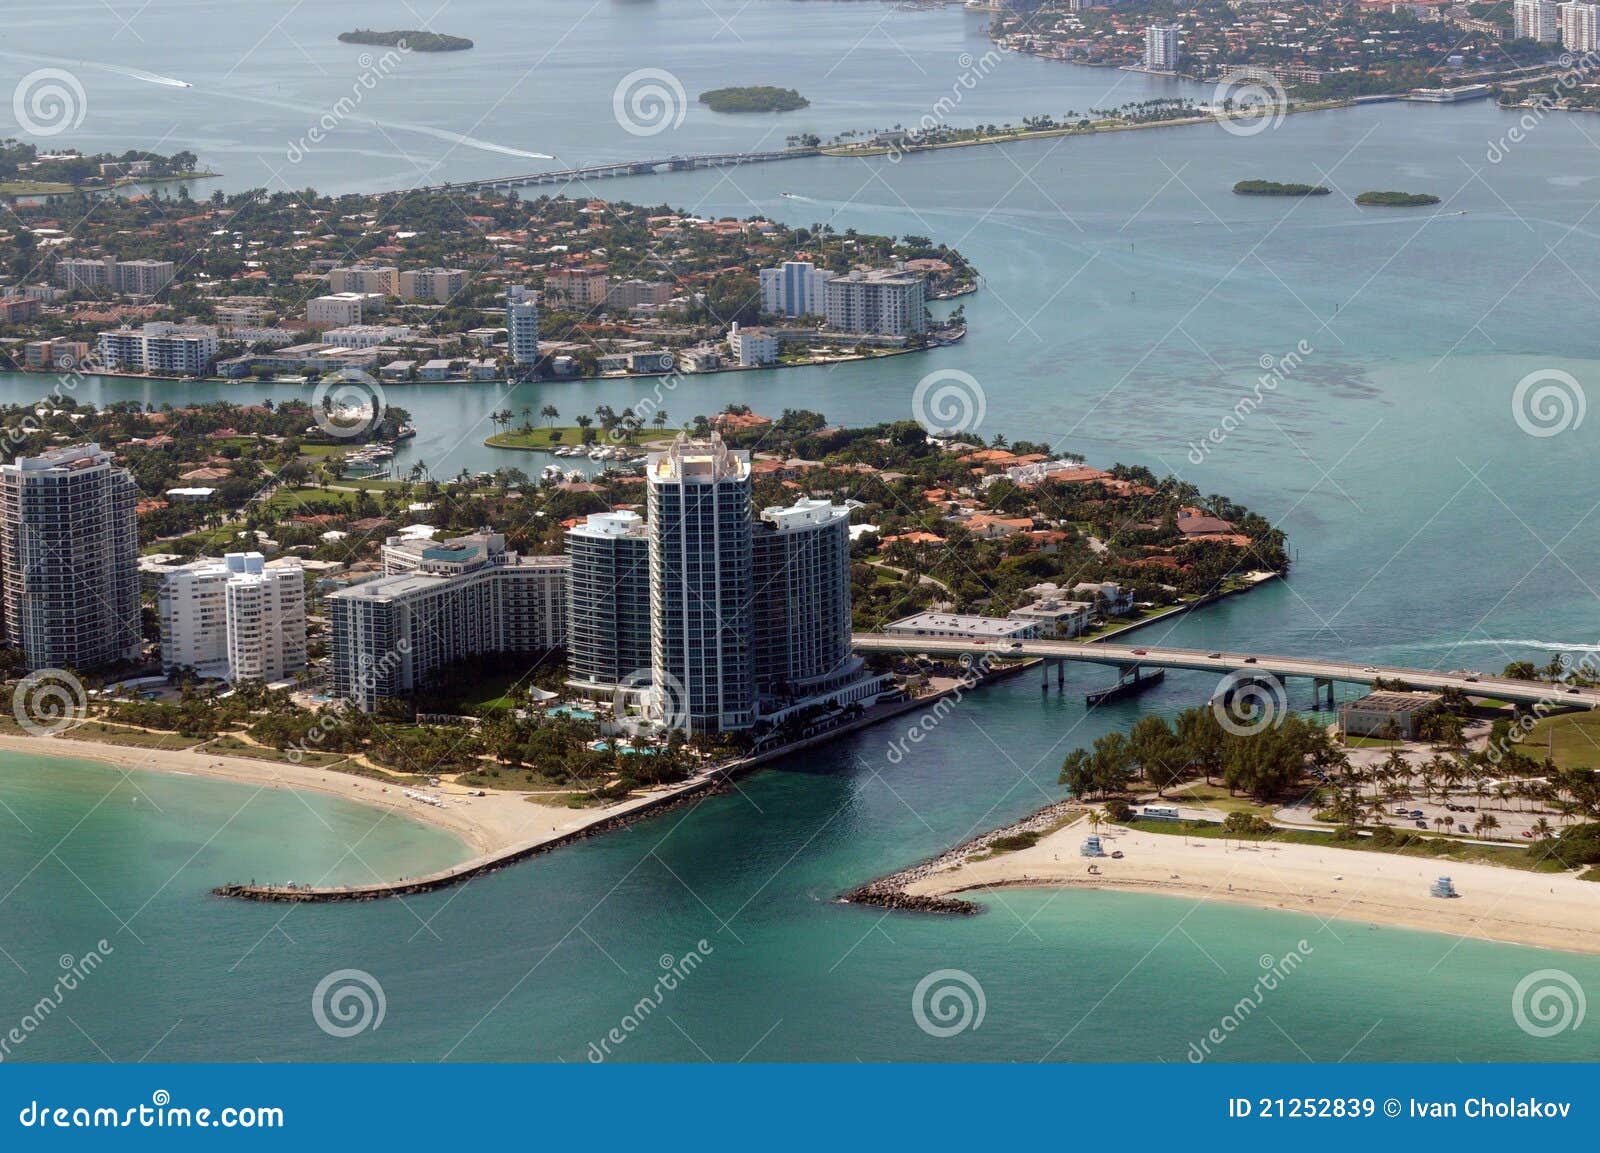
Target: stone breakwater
890, 892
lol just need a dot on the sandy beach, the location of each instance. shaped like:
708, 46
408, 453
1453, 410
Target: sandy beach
486, 825
1547, 910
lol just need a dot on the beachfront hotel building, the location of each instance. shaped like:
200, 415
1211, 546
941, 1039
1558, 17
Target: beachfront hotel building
69, 558
1535, 20
238, 618
882, 302
608, 601
701, 582
801, 611
1161, 43
438, 604
746, 620
522, 325
795, 288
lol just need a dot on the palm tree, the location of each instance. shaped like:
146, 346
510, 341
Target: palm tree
1543, 829
549, 413
1485, 824
659, 419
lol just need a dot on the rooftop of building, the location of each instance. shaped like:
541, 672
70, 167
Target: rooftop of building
1387, 701
698, 462
804, 513
963, 623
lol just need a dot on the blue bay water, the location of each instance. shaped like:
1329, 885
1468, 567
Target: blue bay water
1129, 299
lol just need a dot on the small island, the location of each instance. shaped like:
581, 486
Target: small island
1274, 188
759, 98
1397, 199
413, 40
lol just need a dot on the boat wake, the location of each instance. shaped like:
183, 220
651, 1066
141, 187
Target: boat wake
1514, 643
116, 69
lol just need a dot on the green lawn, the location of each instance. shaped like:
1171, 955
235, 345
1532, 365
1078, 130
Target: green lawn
1418, 844
547, 438
1572, 740
234, 747
133, 738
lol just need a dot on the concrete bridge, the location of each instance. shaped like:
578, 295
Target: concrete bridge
623, 168
1131, 660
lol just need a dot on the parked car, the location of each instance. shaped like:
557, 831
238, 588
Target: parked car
1421, 824
1415, 814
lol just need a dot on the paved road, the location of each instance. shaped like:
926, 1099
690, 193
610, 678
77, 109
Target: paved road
1225, 663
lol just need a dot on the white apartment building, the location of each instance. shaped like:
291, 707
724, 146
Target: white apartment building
69, 558
133, 277
1580, 27
160, 346
439, 285
752, 346
383, 280
336, 310
238, 618
885, 302
439, 604
1535, 20
522, 324
795, 288
367, 335
1161, 46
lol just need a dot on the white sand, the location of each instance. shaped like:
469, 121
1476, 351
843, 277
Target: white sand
1548, 910
488, 825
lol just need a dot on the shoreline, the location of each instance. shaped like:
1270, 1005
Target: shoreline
1350, 886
